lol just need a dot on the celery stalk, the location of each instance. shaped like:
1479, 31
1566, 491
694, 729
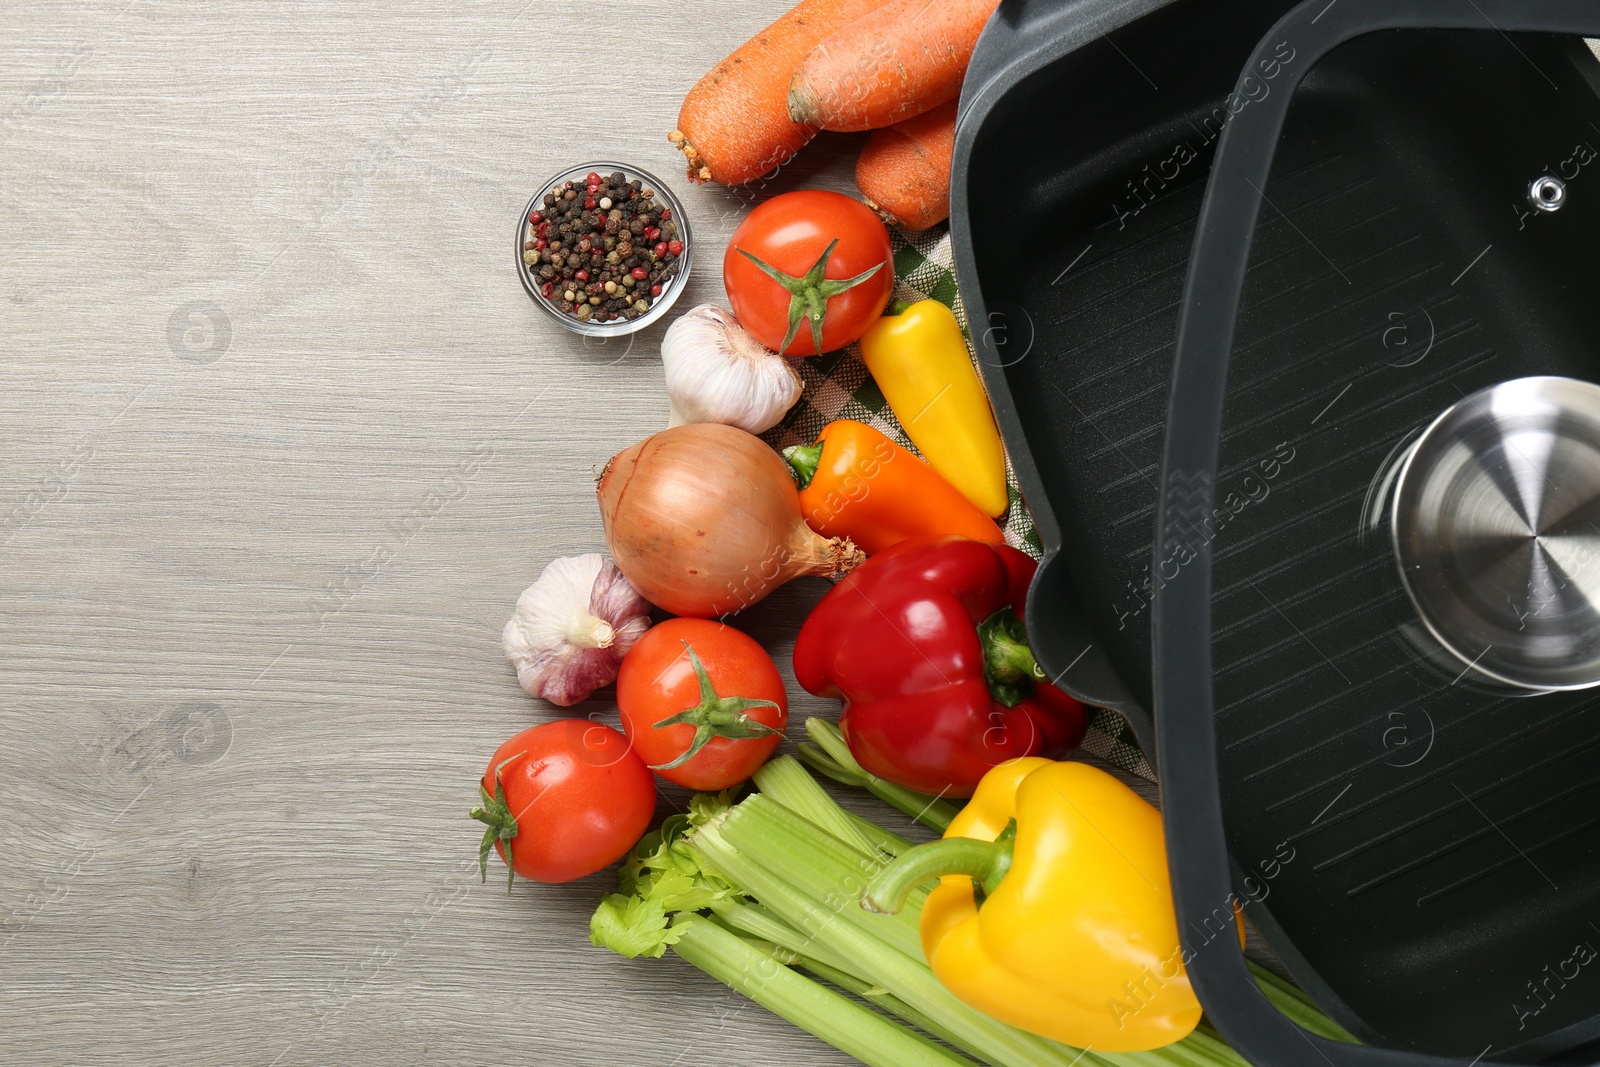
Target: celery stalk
882, 998
1296, 1006
783, 780
890, 844
846, 929
786, 781
853, 1029
841, 766
1203, 1050
789, 946
753, 919
879, 998
757, 921
823, 868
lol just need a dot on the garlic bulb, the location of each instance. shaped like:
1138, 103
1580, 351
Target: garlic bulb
572, 627
716, 372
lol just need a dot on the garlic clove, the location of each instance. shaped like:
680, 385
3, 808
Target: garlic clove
717, 372
572, 627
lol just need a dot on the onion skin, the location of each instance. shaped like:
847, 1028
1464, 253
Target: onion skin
705, 519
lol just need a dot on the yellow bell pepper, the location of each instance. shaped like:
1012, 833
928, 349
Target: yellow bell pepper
1075, 938
919, 359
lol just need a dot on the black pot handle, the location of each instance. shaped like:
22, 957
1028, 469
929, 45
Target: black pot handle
1181, 617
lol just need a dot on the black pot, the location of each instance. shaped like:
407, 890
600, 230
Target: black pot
1250, 290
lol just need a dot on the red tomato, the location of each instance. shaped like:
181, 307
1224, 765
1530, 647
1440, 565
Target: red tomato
572, 798
790, 233
701, 702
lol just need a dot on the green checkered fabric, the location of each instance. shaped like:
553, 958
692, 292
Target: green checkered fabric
837, 386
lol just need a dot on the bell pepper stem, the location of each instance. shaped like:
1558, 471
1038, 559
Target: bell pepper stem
803, 460
1008, 664
714, 716
985, 862
896, 307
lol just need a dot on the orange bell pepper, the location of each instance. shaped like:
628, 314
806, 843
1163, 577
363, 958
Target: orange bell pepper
857, 483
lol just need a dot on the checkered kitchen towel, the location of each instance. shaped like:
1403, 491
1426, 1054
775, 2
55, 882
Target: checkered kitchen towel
837, 386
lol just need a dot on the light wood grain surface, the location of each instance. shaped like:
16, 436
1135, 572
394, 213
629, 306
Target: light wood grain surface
281, 440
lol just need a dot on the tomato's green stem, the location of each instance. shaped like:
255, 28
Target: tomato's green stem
714, 716
810, 292
502, 825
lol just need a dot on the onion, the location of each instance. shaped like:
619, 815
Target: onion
705, 519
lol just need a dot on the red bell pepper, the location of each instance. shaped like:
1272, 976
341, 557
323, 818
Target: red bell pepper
925, 645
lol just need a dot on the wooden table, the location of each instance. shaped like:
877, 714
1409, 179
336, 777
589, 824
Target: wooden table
281, 441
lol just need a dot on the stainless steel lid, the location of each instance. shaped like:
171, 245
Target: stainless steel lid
1496, 528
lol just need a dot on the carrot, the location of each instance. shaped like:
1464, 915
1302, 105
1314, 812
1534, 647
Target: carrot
904, 170
734, 125
901, 60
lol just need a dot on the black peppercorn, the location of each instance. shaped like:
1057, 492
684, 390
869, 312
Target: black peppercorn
605, 240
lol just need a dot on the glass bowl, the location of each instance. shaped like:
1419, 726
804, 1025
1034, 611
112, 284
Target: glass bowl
669, 292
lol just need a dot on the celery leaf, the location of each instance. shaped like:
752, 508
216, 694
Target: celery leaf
632, 926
